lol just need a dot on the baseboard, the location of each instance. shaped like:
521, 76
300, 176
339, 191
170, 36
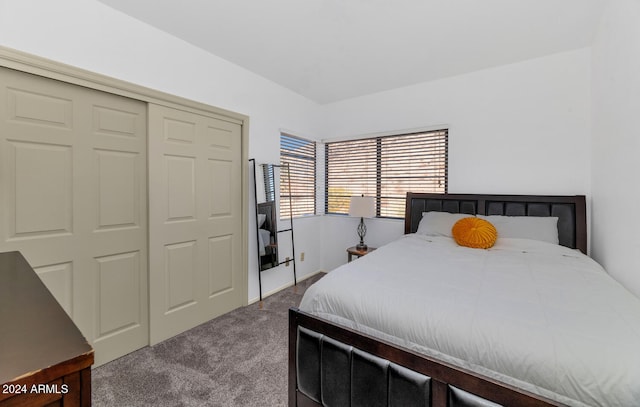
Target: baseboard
290, 284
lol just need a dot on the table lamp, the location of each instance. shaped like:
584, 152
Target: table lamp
362, 207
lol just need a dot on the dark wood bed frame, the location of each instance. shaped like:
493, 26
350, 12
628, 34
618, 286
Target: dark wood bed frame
330, 365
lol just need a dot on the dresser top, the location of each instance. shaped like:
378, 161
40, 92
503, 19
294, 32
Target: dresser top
35, 331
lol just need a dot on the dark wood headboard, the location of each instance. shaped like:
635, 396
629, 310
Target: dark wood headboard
570, 210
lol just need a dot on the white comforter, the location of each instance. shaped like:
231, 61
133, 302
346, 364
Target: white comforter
539, 316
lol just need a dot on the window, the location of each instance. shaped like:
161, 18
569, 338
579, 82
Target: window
300, 155
385, 167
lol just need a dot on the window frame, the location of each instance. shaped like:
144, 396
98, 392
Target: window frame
382, 166
285, 158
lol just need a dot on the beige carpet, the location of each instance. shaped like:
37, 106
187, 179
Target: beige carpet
238, 359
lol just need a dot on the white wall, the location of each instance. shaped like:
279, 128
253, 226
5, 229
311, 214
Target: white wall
90, 35
616, 143
340, 233
519, 128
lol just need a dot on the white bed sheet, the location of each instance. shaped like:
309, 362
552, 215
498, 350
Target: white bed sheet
542, 317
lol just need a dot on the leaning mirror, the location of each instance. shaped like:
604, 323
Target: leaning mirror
266, 216
275, 243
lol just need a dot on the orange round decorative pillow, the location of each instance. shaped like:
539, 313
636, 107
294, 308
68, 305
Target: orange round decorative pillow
474, 232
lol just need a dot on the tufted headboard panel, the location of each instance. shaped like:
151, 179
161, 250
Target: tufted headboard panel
570, 210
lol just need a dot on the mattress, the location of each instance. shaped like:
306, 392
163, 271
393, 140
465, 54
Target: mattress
539, 316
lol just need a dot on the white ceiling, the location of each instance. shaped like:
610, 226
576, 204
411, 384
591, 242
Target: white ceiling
329, 50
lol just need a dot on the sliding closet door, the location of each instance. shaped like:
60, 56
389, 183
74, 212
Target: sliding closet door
73, 201
195, 219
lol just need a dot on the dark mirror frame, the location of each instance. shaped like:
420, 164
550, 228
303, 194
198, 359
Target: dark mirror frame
266, 208
266, 215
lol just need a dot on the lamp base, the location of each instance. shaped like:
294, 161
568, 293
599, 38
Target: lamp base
362, 231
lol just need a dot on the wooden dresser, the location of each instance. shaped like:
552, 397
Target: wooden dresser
44, 359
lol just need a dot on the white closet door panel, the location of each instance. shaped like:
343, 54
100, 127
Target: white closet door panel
180, 184
118, 225
117, 183
181, 290
195, 219
117, 294
73, 201
220, 265
53, 111
42, 189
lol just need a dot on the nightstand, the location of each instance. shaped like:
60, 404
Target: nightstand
352, 251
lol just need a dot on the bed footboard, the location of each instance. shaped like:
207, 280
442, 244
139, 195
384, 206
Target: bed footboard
330, 365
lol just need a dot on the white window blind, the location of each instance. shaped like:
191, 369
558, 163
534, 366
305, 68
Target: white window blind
385, 167
300, 155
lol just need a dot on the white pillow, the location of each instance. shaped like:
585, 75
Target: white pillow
439, 223
543, 228
261, 218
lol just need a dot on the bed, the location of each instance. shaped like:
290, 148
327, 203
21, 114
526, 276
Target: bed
525, 323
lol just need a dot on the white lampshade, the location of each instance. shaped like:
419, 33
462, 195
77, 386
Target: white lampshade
362, 206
